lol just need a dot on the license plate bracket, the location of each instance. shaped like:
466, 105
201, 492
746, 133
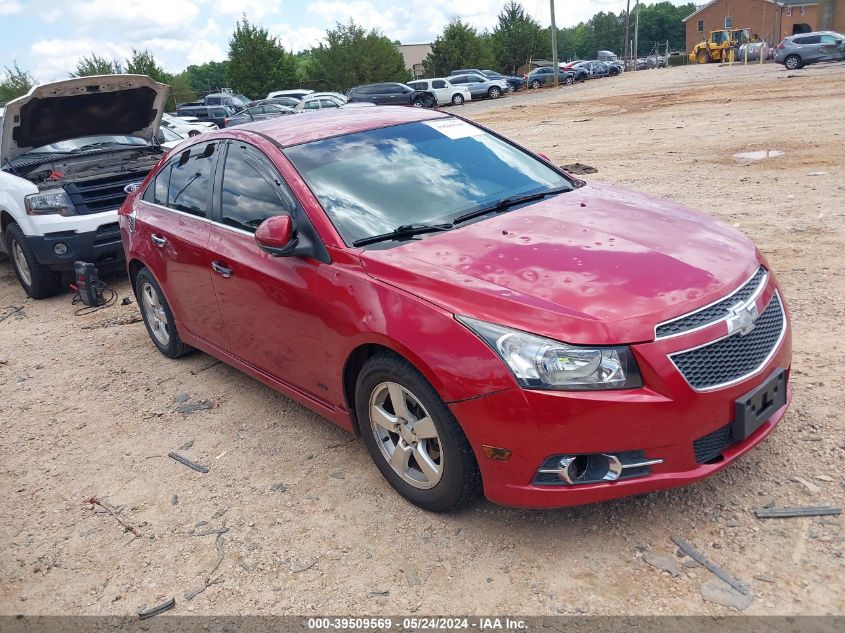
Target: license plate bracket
758, 405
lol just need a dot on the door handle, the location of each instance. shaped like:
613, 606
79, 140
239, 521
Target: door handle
158, 240
221, 270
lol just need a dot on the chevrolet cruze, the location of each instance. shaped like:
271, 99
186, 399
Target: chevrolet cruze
483, 319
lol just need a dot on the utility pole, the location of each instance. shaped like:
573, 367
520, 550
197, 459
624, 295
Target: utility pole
636, 34
554, 44
627, 44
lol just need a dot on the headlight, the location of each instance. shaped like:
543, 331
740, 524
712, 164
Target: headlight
52, 201
542, 363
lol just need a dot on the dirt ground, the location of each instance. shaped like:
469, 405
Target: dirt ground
89, 407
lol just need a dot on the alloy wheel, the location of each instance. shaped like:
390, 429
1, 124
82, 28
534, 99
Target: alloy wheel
406, 435
155, 314
792, 62
20, 263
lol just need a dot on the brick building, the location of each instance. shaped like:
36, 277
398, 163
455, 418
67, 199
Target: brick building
771, 20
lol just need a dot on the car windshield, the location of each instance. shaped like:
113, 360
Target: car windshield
86, 143
426, 172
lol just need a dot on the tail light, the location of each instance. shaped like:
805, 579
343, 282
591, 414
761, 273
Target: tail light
225, 122
780, 46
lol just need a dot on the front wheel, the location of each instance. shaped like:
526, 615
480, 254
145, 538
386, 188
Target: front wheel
38, 281
157, 316
413, 437
535, 83
568, 80
793, 62
703, 57
457, 99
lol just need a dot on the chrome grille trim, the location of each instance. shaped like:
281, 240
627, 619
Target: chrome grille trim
762, 277
775, 300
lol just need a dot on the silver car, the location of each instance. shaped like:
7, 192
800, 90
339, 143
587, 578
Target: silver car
808, 48
480, 86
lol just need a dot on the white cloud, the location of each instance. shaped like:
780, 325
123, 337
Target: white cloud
254, 9
297, 38
10, 7
57, 57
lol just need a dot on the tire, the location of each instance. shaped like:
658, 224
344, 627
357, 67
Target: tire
456, 478
495, 92
792, 62
535, 83
148, 293
568, 80
37, 280
418, 103
703, 57
193, 133
457, 99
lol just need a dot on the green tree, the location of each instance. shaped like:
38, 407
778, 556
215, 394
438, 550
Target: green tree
208, 77
352, 56
663, 21
258, 64
143, 63
459, 46
181, 90
96, 65
16, 83
516, 37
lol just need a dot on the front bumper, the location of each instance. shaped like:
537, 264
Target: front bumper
102, 247
663, 420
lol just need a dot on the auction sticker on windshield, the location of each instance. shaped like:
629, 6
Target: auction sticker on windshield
454, 128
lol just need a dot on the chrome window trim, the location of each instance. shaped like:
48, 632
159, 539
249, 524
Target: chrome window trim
753, 298
198, 218
753, 372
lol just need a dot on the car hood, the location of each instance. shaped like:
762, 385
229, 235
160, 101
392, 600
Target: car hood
124, 105
597, 265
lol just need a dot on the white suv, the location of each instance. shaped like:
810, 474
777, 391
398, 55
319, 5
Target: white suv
443, 90
69, 152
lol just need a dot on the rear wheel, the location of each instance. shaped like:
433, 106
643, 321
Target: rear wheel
568, 80
37, 280
535, 83
457, 99
703, 57
495, 92
793, 62
413, 437
157, 316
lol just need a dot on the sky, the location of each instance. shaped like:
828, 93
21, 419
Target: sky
48, 37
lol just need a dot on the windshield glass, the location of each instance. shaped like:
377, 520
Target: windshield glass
371, 182
75, 144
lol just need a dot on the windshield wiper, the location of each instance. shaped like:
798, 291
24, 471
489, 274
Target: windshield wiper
506, 203
102, 144
405, 230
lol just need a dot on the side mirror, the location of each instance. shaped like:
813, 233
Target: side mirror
277, 236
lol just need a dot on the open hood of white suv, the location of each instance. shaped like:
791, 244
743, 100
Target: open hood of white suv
123, 105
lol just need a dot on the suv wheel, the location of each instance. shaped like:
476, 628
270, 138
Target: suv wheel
535, 83
568, 80
457, 99
793, 62
495, 92
413, 437
38, 281
157, 316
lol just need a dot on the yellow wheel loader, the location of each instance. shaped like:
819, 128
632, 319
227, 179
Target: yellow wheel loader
716, 48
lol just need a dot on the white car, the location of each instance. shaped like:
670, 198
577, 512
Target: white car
298, 93
443, 90
184, 127
321, 101
70, 151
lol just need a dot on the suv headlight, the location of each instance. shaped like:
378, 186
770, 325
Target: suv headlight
51, 201
542, 363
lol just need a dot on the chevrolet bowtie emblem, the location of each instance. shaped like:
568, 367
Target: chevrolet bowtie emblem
742, 319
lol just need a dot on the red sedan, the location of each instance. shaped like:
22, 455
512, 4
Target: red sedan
479, 316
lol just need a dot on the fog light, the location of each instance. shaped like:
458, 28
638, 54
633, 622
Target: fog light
60, 248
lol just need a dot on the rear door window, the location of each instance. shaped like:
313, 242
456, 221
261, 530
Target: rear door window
249, 193
438, 84
189, 187
810, 39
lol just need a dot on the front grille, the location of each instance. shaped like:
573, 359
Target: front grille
732, 358
710, 446
101, 194
107, 234
715, 312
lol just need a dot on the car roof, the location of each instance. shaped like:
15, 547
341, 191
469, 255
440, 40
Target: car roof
294, 130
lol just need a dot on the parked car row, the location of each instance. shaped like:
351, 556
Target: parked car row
570, 72
292, 253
